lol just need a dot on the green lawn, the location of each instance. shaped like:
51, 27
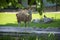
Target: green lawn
10, 20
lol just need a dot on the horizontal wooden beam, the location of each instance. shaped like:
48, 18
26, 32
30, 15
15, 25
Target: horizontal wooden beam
18, 31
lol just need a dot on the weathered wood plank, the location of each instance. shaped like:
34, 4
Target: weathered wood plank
15, 31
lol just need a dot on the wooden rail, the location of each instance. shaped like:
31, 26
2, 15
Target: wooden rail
28, 32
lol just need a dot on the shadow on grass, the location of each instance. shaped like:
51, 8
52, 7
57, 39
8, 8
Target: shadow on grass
12, 24
9, 24
54, 24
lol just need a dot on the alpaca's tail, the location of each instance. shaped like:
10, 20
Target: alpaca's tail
16, 14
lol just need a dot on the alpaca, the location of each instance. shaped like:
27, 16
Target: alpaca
24, 16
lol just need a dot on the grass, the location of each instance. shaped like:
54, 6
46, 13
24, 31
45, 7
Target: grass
10, 20
49, 36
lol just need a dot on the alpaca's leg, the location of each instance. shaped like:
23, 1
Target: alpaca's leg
19, 24
25, 24
28, 24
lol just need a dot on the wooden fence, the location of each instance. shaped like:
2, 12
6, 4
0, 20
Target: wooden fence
16, 33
